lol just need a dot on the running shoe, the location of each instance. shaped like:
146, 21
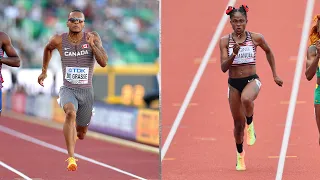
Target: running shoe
251, 134
240, 166
72, 165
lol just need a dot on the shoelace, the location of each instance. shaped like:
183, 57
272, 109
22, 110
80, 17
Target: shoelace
71, 159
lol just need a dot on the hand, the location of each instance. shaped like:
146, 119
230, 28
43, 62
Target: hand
236, 48
90, 38
278, 81
41, 78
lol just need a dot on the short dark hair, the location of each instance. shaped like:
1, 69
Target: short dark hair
243, 9
75, 10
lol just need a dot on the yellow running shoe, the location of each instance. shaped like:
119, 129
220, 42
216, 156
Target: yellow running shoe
241, 166
72, 165
251, 134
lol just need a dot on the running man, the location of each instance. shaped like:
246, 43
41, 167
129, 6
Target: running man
312, 65
78, 51
12, 60
238, 55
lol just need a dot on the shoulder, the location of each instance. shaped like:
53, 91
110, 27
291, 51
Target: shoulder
4, 37
224, 39
257, 36
312, 49
56, 38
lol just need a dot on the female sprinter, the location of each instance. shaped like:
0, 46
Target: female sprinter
312, 66
238, 55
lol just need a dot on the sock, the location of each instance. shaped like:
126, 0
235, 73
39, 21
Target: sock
239, 147
249, 120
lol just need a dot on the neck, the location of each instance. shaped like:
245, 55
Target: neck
75, 34
240, 35
75, 37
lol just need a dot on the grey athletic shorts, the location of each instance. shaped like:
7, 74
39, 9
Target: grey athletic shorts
82, 99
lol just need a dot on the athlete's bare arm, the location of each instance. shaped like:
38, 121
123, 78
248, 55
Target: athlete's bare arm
54, 43
260, 41
13, 59
225, 59
312, 61
100, 54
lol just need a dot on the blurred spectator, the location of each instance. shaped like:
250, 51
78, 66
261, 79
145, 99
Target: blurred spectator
129, 29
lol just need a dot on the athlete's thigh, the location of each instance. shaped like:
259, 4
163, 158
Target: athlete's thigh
67, 99
84, 112
251, 90
235, 103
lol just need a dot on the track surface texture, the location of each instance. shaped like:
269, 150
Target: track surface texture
39, 162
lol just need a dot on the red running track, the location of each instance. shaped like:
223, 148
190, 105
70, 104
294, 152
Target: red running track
37, 161
203, 146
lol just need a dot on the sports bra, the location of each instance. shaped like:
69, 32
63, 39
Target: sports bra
247, 51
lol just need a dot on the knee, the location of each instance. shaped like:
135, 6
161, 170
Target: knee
70, 115
246, 101
81, 132
81, 135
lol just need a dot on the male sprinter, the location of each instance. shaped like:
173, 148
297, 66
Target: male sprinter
12, 60
78, 50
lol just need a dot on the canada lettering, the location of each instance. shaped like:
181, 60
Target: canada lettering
80, 53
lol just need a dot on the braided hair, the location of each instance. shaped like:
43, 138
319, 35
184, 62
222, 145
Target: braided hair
243, 9
314, 35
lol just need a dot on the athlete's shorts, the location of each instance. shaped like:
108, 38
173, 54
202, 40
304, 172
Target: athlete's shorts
82, 99
317, 95
240, 83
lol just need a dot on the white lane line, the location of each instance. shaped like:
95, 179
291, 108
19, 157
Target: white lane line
196, 79
295, 86
59, 149
14, 170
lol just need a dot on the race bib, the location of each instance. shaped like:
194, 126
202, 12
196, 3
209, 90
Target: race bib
77, 75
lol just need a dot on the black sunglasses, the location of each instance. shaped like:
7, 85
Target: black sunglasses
73, 20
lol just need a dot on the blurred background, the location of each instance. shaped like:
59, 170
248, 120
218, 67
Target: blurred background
126, 92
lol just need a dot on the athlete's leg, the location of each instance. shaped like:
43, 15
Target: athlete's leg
249, 94
84, 112
239, 124
81, 131
69, 129
70, 107
317, 107
237, 114
317, 112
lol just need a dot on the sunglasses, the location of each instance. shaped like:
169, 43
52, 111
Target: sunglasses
73, 20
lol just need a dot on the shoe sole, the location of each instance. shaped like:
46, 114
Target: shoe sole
72, 167
241, 169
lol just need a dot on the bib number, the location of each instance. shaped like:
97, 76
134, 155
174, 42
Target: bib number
77, 75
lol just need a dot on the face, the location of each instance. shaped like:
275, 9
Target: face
75, 22
238, 22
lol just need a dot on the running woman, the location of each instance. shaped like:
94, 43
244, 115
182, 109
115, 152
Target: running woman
78, 51
312, 65
12, 58
238, 55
